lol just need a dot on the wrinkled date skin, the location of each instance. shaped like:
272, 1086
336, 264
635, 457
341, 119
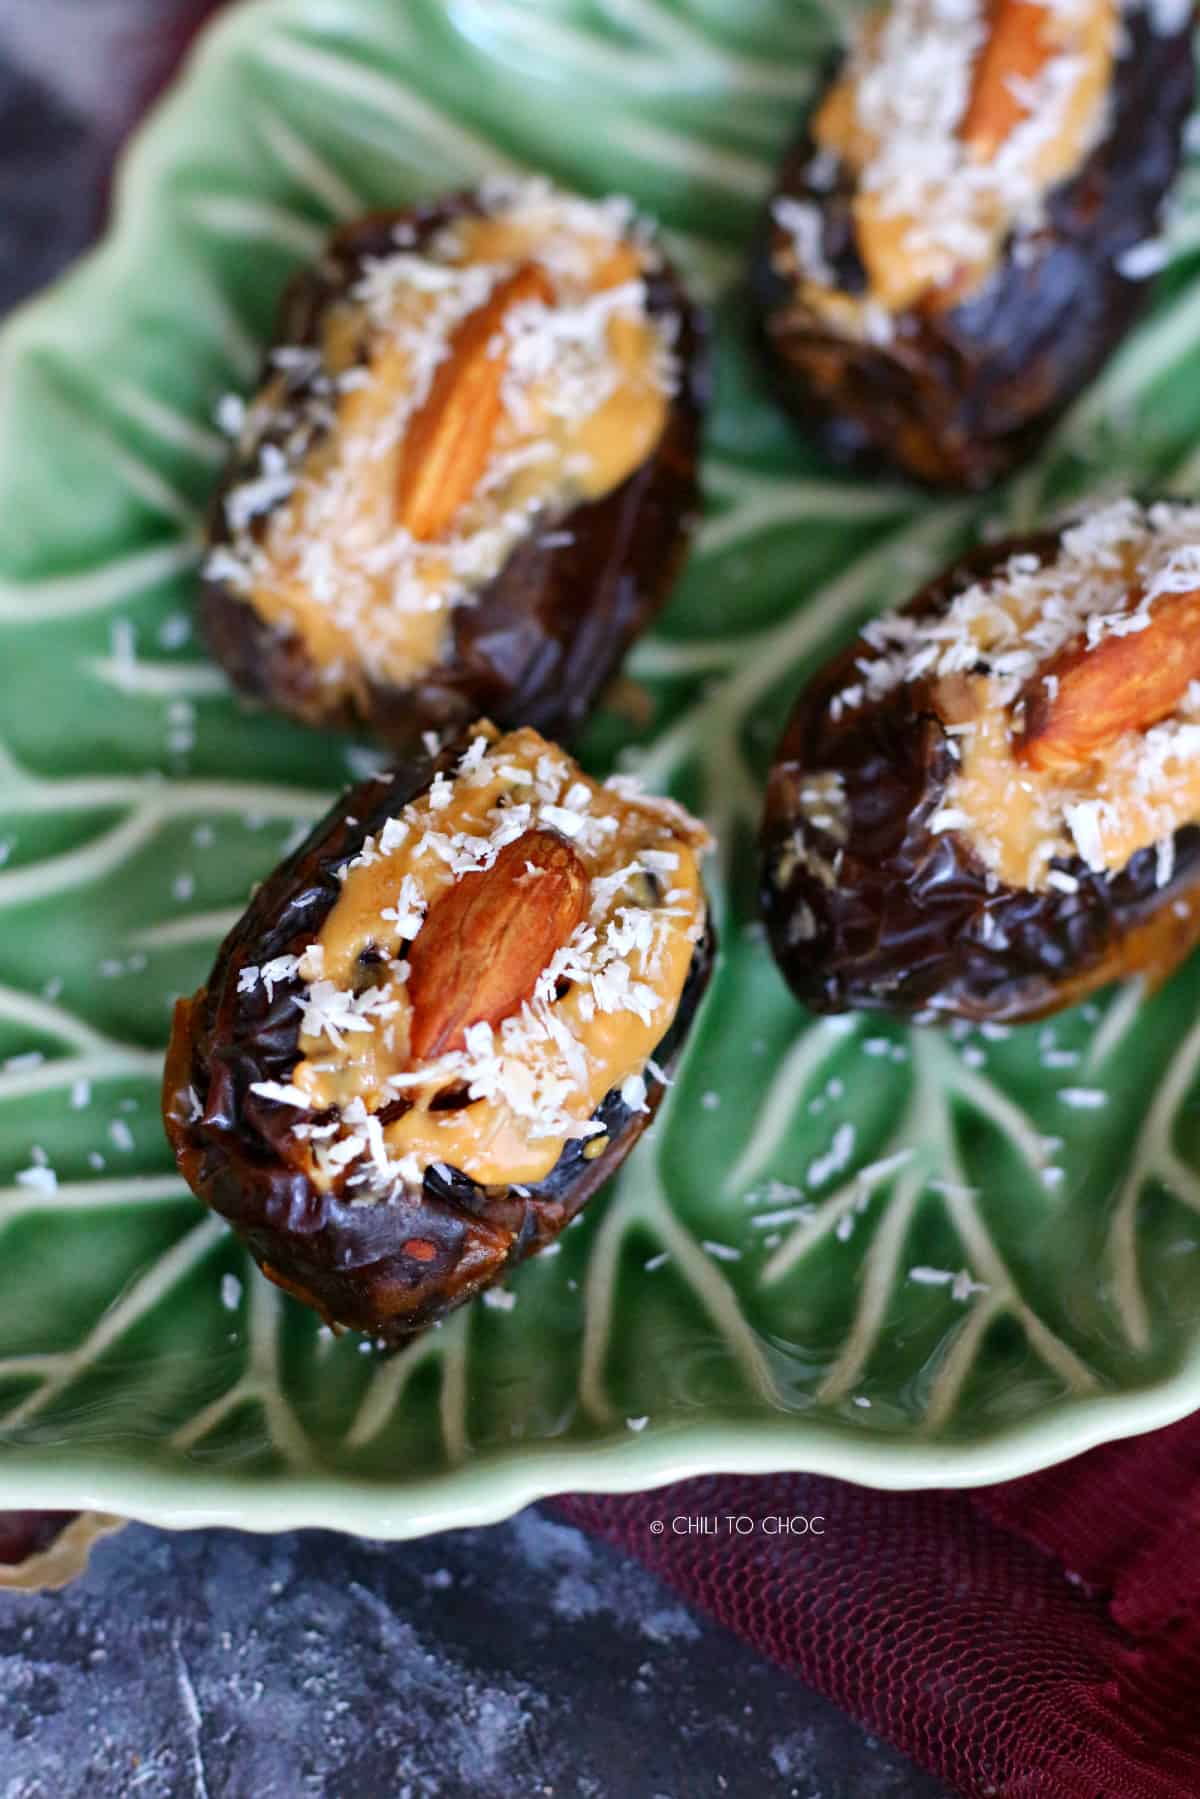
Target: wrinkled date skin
391, 1267
543, 637
959, 397
898, 922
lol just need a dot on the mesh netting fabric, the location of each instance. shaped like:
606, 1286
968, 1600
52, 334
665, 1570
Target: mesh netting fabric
1040, 1638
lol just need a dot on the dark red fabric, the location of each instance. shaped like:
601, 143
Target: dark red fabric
145, 62
1041, 1637
23, 1534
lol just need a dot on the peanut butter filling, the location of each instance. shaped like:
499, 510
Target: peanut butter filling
532, 930
953, 122
1071, 691
1143, 790
470, 390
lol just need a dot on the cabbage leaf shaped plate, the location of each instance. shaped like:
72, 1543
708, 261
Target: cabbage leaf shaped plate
895, 1255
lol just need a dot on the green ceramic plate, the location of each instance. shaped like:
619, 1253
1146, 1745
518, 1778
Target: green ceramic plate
889, 1254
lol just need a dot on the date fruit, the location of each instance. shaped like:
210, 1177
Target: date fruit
989, 805
965, 228
440, 1027
469, 477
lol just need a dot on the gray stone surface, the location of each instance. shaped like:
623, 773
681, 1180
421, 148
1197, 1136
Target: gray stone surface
521, 1660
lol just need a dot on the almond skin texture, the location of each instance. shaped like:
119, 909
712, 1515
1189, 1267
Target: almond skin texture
484, 944
1016, 50
450, 437
1120, 684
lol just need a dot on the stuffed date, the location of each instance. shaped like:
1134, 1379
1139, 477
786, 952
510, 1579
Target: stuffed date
440, 1027
967, 225
469, 476
989, 806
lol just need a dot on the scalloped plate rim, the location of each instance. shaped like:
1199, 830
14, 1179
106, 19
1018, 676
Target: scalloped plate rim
492, 1486
495, 1485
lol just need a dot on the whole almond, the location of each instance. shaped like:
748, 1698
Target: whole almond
1085, 698
1017, 49
449, 439
487, 939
